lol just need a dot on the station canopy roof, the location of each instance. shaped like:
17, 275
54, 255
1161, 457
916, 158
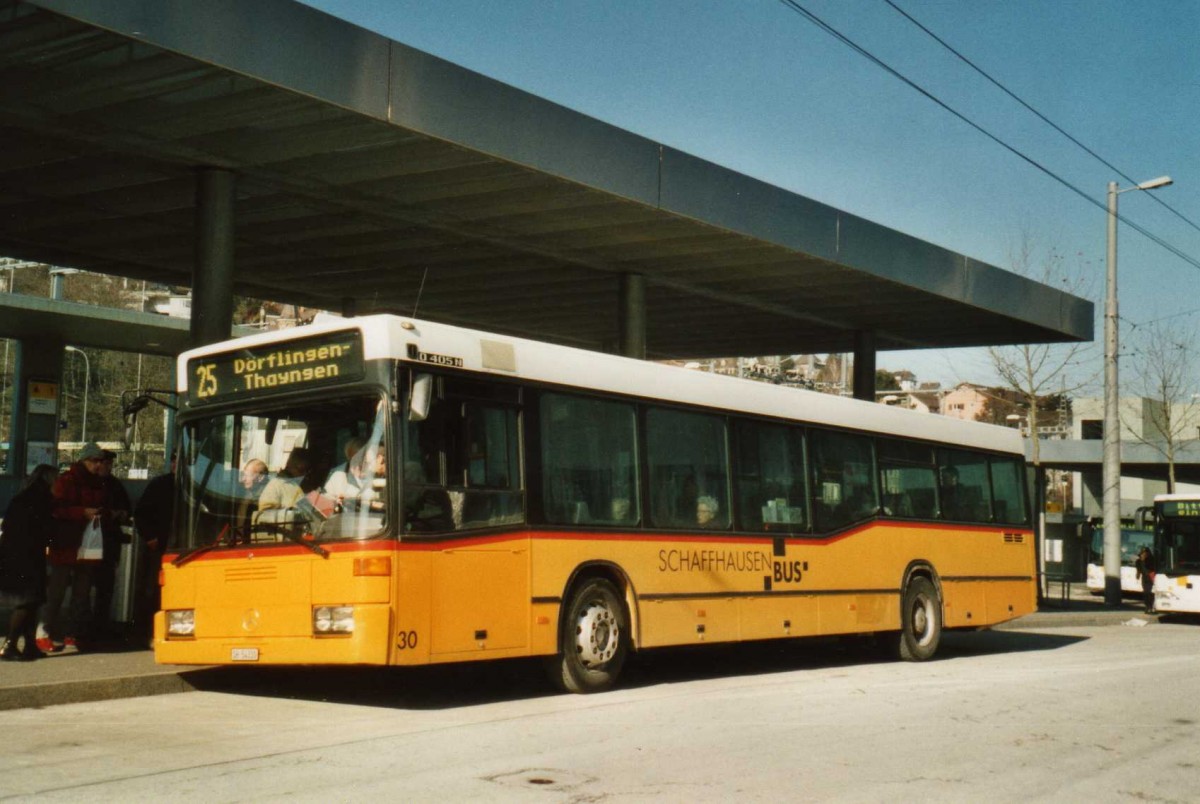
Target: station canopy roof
371, 171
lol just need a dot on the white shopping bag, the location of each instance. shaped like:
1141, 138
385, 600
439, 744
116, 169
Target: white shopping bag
92, 548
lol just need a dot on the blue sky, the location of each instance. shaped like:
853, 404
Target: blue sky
752, 85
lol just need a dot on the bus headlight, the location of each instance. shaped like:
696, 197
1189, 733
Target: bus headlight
333, 620
181, 622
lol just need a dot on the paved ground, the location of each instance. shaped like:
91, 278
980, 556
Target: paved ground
1080, 712
79, 677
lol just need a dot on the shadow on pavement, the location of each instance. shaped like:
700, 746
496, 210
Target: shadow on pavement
479, 683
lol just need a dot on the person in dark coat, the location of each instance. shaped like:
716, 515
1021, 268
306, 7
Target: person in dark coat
153, 517
1146, 569
23, 539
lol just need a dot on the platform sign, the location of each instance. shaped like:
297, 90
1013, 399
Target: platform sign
43, 397
38, 452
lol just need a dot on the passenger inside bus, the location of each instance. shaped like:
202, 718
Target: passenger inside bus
952, 502
706, 512
340, 476
362, 480
253, 479
284, 490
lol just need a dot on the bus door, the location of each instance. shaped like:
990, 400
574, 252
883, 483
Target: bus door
463, 493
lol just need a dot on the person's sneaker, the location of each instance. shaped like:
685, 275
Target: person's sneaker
10, 652
44, 643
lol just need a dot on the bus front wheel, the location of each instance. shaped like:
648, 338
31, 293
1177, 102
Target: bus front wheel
593, 641
920, 620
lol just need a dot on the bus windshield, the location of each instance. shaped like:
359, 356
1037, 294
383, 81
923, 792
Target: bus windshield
303, 472
1180, 545
1132, 541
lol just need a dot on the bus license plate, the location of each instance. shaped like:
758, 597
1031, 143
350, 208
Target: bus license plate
244, 655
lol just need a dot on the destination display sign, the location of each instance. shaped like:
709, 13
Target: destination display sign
1181, 508
334, 357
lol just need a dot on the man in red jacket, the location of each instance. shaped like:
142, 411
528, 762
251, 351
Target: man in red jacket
83, 494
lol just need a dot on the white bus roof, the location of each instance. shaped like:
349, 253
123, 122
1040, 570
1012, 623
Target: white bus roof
389, 337
1176, 497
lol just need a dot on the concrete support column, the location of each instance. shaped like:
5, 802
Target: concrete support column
633, 316
864, 365
212, 274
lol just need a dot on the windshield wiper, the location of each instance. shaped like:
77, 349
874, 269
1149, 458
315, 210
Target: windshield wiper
184, 558
300, 540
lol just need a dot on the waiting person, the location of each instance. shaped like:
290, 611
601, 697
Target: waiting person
83, 494
23, 539
1147, 569
153, 516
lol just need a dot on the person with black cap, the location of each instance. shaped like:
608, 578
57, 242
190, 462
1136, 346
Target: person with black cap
85, 493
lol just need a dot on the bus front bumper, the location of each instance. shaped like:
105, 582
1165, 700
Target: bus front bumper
368, 644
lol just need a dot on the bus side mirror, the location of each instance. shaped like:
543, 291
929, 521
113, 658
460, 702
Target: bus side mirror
422, 394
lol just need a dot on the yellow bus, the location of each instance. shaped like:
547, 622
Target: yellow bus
390, 491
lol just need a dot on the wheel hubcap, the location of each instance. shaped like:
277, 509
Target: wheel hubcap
596, 635
921, 620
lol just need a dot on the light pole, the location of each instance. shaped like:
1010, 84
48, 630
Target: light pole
87, 368
1112, 426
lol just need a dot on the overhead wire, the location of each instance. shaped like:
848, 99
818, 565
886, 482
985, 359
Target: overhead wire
1035, 112
796, 7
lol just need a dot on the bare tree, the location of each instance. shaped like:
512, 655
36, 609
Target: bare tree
1035, 371
1166, 376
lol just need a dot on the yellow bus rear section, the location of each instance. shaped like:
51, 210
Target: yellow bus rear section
501, 597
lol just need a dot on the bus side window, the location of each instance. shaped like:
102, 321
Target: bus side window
769, 477
589, 461
844, 488
1008, 486
964, 493
907, 479
687, 457
462, 462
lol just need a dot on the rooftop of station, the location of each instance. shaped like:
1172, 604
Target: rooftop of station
376, 177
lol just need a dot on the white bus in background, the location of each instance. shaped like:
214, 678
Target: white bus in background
1132, 540
1177, 550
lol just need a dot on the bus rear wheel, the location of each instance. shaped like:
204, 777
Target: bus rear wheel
920, 620
593, 641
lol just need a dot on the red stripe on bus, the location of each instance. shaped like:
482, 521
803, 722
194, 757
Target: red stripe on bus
548, 535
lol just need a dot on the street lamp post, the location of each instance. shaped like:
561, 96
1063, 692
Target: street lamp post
87, 367
1112, 426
